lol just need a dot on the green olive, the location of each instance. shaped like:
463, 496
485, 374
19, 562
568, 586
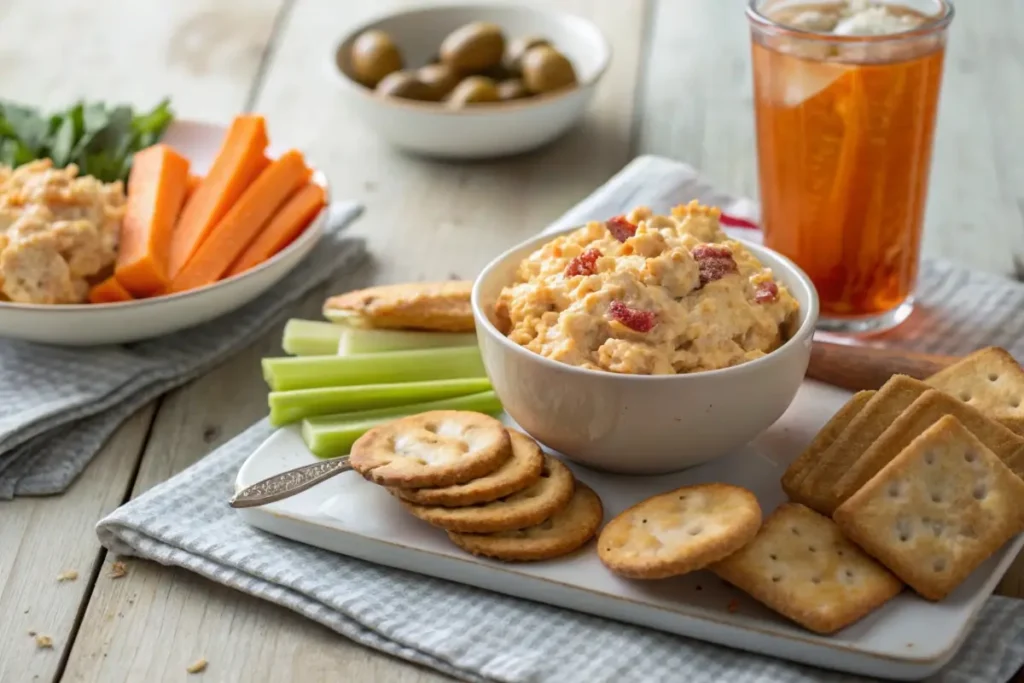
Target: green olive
498, 72
474, 47
512, 89
545, 69
513, 61
440, 78
405, 85
374, 55
471, 90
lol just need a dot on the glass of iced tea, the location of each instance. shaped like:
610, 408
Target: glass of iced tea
845, 96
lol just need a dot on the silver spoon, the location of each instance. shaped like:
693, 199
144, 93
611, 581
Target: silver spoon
288, 483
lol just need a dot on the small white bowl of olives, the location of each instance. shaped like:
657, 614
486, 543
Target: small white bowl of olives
471, 81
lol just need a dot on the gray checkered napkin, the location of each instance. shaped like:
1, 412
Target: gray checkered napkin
59, 405
475, 635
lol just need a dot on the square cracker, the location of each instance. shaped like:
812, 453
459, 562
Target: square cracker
878, 413
991, 381
801, 566
1014, 424
938, 510
805, 463
922, 414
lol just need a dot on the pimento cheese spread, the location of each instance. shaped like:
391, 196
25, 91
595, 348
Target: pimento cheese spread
647, 294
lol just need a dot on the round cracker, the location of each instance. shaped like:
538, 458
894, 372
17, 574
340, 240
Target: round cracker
566, 531
532, 505
436, 306
679, 531
520, 471
436, 448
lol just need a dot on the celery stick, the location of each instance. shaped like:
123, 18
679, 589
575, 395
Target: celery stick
311, 372
484, 401
333, 435
311, 337
359, 340
317, 338
289, 406
339, 441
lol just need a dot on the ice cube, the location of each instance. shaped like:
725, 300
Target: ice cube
802, 80
814, 20
875, 20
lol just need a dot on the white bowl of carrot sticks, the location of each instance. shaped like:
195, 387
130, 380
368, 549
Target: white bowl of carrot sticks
215, 217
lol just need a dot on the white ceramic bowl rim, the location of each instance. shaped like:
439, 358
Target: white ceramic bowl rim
318, 178
481, 107
804, 331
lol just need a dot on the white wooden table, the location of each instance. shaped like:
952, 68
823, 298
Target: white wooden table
679, 86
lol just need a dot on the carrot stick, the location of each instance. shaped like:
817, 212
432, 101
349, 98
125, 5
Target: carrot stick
193, 183
287, 224
253, 210
237, 164
156, 192
109, 291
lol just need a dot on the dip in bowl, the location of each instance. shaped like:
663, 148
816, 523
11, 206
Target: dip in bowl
573, 347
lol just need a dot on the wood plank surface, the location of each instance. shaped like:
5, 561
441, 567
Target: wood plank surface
42, 538
205, 57
157, 621
449, 220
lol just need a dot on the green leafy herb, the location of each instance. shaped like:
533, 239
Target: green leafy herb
63, 142
100, 140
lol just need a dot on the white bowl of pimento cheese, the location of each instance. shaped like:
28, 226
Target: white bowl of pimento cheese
645, 343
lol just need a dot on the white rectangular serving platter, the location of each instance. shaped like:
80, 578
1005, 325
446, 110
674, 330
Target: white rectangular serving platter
907, 639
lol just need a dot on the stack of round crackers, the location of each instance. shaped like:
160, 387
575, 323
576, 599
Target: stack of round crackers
492, 489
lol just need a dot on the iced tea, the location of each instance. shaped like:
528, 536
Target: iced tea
845, 101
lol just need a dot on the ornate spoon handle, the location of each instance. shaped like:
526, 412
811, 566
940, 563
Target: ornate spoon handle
287, 484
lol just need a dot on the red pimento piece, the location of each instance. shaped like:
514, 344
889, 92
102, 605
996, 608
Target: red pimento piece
620, 228
766, 292
638, 321
584, 264
714, 261
737, 222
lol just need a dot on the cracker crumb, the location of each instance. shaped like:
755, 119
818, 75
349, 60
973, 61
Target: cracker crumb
733, 605
67, 575
198, 666
118, 570
44, 642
